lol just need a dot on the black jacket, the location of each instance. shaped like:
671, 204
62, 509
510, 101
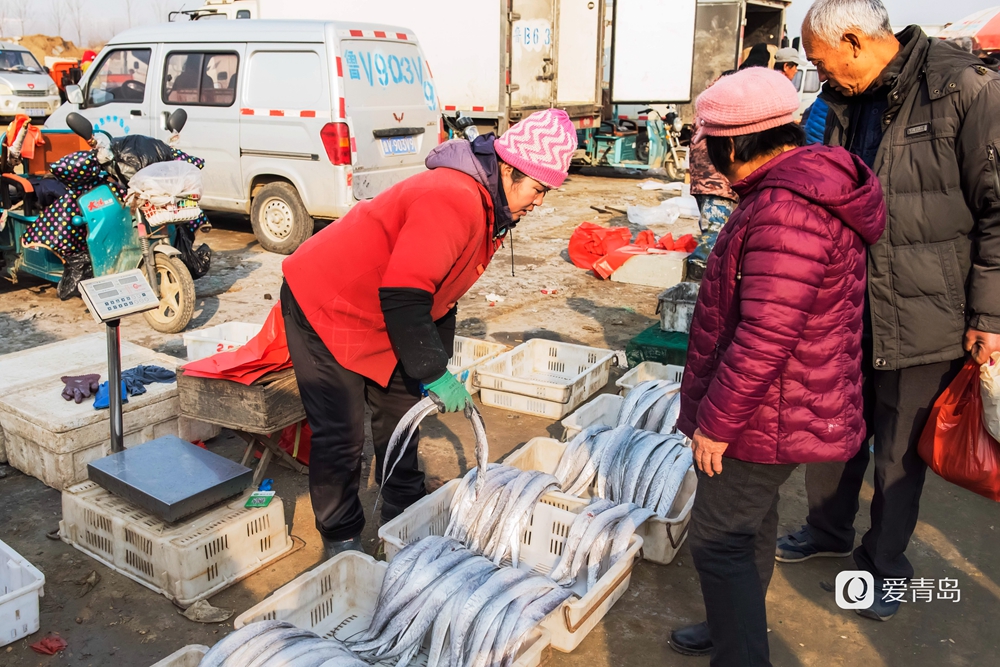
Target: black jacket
936, 269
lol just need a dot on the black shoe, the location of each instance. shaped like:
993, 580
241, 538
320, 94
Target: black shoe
335, 547
692, 640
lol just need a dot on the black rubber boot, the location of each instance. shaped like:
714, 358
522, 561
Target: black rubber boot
692, 640
333, 548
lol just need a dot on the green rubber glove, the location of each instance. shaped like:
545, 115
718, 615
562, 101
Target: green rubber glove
450, 394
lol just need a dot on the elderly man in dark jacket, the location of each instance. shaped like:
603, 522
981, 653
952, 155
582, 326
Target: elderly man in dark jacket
926, 117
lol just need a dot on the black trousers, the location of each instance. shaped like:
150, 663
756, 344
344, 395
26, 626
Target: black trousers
734, 524
898, 404
334, 399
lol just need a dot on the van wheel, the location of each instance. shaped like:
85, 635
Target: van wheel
280, 222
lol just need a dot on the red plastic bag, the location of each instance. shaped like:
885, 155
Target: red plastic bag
685, 243
265, 353
955, 443
591, 242
49, 646
297, 440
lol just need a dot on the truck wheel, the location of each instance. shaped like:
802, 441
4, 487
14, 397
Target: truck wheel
176, 296
280, 222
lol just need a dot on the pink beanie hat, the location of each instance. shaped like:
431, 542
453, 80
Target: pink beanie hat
751, 100
541, 146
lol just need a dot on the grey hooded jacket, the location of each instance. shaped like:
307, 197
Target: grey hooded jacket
936, 269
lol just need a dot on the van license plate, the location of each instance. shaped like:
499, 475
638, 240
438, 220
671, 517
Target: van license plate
36, 112
398, 146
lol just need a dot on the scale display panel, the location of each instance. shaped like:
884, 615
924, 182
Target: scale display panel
115, 296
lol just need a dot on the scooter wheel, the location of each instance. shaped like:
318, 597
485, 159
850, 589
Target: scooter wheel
176, 289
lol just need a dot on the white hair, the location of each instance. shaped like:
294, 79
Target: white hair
829, 20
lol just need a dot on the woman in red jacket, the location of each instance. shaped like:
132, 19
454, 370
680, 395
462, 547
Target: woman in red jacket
773, 373
370, 302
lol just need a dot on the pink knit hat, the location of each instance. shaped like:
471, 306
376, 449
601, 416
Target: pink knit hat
541, 146
751, 100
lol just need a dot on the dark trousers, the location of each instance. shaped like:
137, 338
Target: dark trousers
334, 399
898, 404
734, 524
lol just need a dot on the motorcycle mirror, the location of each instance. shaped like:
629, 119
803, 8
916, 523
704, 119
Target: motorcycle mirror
177, 121
80, 125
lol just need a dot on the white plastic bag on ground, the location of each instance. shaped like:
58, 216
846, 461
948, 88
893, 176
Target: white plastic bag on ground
989, 389
666, 213
164, 183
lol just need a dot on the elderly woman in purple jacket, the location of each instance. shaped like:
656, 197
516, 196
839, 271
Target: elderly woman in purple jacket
773, 373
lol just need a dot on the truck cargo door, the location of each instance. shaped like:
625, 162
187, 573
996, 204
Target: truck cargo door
667, 27
532, 56
580, 34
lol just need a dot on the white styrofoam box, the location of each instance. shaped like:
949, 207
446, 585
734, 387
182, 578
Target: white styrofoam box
468, 354
53, 439
205, 342
656, 270
541, 548
649, 370
21, 584
662, 537
675, 306
543, 377
189, 656
185, 561
336, 600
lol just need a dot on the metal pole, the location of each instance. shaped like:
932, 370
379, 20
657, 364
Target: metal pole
115, 386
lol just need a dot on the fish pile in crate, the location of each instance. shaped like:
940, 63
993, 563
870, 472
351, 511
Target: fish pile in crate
274, 643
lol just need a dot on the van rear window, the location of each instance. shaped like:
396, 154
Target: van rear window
385, 73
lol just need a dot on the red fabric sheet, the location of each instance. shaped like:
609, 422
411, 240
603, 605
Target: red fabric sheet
267, 352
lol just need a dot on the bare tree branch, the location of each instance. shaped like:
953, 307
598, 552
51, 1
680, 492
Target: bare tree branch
58, 15
19, 11
74, 9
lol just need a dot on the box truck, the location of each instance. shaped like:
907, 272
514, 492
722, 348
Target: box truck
494, 60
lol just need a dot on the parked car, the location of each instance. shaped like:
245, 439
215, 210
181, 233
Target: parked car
808, 84
297, 120
25, 87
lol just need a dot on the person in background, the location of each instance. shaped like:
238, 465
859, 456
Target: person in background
926, 117
370, 305
773, 373
759, 56
788, 61
814, 121
716, 202
87, 60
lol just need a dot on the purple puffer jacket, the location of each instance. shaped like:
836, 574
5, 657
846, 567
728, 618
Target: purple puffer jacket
774, 360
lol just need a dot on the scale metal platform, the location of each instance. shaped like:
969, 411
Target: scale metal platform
167, 477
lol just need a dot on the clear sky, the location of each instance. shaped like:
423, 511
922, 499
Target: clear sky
104, 18
903, 12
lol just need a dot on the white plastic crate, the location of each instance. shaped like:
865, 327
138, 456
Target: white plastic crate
220, 338
21, 584
662, 538
541, 547
189, 656
185, 561
470, 353
337, 600
649, 370
544, 378
602, 410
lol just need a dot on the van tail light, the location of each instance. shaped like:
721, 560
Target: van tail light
442, 132
337, 142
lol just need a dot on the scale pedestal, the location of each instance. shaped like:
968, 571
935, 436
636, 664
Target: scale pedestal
167, 477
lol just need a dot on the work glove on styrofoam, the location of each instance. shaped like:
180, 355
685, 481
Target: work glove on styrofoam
79, 387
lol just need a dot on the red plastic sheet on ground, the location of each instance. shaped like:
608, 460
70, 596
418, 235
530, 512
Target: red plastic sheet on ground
955, 442
686, 243
267, 352
591, 242
49, 646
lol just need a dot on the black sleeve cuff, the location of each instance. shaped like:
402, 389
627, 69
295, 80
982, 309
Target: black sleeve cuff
413, 333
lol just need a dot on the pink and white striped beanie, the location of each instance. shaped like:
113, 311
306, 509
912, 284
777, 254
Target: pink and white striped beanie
541, 146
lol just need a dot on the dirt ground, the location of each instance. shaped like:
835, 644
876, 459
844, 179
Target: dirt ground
120, 622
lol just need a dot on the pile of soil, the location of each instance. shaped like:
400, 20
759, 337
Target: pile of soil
44, 45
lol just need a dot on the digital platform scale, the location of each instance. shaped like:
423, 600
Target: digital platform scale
168, 477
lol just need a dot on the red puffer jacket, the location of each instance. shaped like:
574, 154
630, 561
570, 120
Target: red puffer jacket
774, 360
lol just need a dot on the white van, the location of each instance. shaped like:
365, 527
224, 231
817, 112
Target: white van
25, 86
296, 120
808, 84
